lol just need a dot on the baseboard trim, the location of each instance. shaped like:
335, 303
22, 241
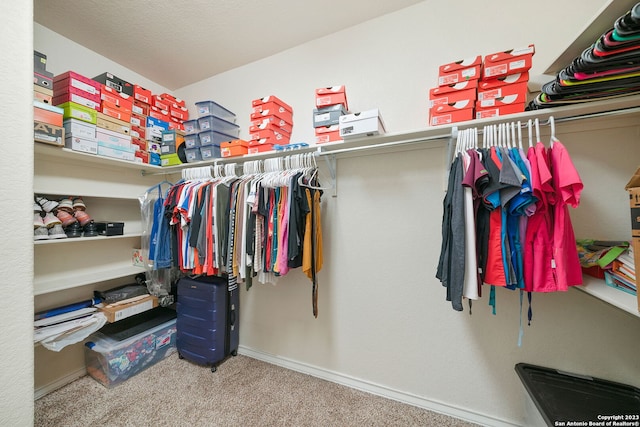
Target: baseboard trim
60, 382
379, 390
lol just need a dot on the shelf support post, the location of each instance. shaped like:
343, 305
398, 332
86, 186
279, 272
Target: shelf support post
332, 165
448, 160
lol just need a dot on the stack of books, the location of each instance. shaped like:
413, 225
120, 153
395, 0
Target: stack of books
623, 273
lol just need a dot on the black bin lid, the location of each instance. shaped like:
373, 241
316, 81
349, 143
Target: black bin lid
562, 396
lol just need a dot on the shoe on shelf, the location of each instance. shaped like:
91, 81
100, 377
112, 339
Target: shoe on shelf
66, 205
74, 230
46, 204
78, 204
56, 232
65, 218
50, 220
82, 217
37, 221
41, 233
90, 229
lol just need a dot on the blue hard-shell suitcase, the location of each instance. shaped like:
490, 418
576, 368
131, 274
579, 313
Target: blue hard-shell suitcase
208, 319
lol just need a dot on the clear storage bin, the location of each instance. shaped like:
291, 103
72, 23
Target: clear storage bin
219, 125
210, 137
208, 108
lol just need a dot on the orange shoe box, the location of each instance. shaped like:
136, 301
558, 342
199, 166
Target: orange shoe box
138, 132
160, 102
460, 65
237, 147
173, 99
73, 79
117, 112
461, 75
500, 111
42, 94
503, 95
511, 79
273, 120
139, 143
274, 111
271, 98
508, 62
452, 98
141, 94
453, 106
175, 124
326, 134
77, 96
267, 125
138, 119
277, 137
260, 146
45, 113
116, 98
110, 123
436, 119
141, 156
159, 114
326, 96
439, 91
140, 107
180, 113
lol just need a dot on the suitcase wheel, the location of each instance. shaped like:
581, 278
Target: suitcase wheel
234, 353
214, 368
180, 356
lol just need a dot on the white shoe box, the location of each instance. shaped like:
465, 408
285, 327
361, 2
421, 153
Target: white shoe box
365, 123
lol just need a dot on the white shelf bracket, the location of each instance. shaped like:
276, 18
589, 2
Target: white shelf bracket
332, 165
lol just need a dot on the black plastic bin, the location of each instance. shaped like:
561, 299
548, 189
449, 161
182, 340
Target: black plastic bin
563, 398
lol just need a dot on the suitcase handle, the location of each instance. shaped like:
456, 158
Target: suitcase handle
232, 317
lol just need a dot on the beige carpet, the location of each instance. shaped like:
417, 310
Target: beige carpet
243, 392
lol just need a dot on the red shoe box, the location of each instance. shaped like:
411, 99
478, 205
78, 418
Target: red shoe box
274, 120
117, 112
141, 94
453, 106
141, 156
460, 65
260, 146
116, 98
43, 94
175, 124
268, 125
160, 103
45, 113
159, 114
511, 79
500, 111
436, 119
503, 95
276, 137
180, 113
453, 98
173, 99
326, 96
78, 96
508, 62
274, 111
138, 120
237, 147
271, 98
139, 132
140, 108
76, 80
461, 75
326, 134
139, 143
437, 92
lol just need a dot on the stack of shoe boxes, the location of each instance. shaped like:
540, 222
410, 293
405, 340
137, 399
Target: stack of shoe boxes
139, 111
503, 87
271, 124
454, 99
47, 124
79, 97
331, 103
215, 125
113, 131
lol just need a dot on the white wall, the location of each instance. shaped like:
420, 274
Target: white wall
383, 317
16, 127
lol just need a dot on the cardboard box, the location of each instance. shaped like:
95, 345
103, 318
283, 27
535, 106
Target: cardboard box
260, 119
181, 113
154, 159
280, 137
74, 127
159, 114
328, 116
109, 138
237, 147
114, 82
77, 98
138, 120
260, 146
127, 308
461, 75
43, 78
39, 61
63, 87
142, 156
439, 91
365, 123
326, 96
512, 61
173, 136
173, 99
160, 103
633, 188
43, 94
168, 149
455, 106
84, 145
141, 94
326, 134
153, 148
499, 111
460, 65
73, 79
468, 96
138, 144
80, 112
503, 95
511, 79
271, 98
110, 228
115, 111
275, 109
115, 153
138, 132
176, 124
111, 123
46, 113
268, 125
119, 99
170, 159
436, 119
155, 123
48, 134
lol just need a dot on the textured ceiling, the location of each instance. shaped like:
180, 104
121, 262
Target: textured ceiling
177, 43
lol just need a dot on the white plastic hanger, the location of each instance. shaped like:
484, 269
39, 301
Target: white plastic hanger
537, 123
552, 123
519, 135
530, 129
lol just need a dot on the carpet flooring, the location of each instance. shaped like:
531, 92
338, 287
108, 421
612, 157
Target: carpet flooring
243, 392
